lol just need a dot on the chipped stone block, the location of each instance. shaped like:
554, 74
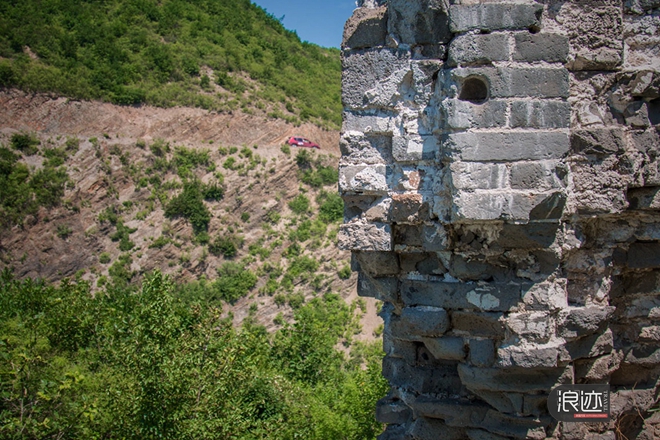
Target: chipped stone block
419, 22
488, 297
478, 49
356, 148
487, 325
528, 356
396, 348
454, 413
551, 48
436, 380
494, 16
489, 205
416, 322
427, 429
363, 179
530, 326
514, 82
588, 347
365, 237
477, 175
408, 208
506, 146
481, 352
463, 115
383, 289
366, 68
577, 322
540, 114
371, 122
378, 264
536, 175
449, 348
516, 380
366, 28
415, 148
546, 296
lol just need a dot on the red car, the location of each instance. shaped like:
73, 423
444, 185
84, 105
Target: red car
296, 141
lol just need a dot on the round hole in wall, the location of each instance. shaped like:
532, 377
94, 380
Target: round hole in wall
474, 89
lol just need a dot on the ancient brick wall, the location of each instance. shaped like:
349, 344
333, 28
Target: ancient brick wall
501, 180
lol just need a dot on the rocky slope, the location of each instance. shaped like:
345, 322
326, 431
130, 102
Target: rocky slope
131, 161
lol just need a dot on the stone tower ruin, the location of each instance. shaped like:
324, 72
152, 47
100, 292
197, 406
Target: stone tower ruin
500, 175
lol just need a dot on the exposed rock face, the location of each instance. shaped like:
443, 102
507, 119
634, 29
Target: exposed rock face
501, 183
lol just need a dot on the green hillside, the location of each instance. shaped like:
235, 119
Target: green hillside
216, 54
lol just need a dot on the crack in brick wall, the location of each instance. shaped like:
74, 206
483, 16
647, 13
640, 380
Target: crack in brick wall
500, 176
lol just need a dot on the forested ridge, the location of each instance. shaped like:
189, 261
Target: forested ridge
218, 55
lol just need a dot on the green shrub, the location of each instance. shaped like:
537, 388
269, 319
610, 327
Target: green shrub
213, 191
273, 217
25, 142
331, 207
226, 245
286, 149
230, 163
245, 217
190, 205
234, 281
63, 231
104, 258
300, 204
345, 272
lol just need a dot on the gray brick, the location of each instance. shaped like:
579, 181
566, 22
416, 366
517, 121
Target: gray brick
485, 324
552, 48
480, 297
644, 198
365, 179
383, 288
372, 122
513, 82
418, 22
392, 411
454, 412
506, 146
378, 264
490, 205
424, 380
477, 175
540, 114
644, 256
417, 322
414, 148
481, 352
535, 175
450, 348
493, 16
357, 148
428, 429
478, 49
366, 28
517, 380
463, 115
362, 70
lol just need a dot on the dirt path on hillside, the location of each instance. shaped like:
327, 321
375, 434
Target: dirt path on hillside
58, 116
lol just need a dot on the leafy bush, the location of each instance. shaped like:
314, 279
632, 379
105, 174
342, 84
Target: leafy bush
300, 204
226, 245
345, 272
190, 205
331, 207
213, 191
234, 281
286, 149
104, 258
25, 142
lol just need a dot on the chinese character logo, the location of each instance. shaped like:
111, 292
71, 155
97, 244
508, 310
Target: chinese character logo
580, 403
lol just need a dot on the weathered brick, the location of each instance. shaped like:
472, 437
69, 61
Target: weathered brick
494, 16
378, 264
436, 380
364, 179
484, 324
526, 380
477, 175
449, 348
417, 322
540, 114
492, 205
414, 148
535, 175
598, 141
506, 146
357, 148
529, 356
481, 352
514, 82
470, 296
383, 289
478, 49
427, 429
552, 48
365, 237
366, 68
392, 411
366, 28
418, 22
372, 122
463, 115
